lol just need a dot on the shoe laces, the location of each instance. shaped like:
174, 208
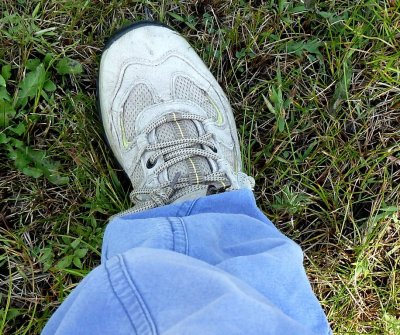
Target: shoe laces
174, 152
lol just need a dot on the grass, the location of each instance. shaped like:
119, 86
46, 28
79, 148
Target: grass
315, 90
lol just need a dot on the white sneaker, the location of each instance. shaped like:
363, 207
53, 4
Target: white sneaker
167, 120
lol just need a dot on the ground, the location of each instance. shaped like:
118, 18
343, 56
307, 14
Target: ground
315, 90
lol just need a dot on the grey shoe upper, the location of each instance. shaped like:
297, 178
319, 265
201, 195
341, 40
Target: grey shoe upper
166, 118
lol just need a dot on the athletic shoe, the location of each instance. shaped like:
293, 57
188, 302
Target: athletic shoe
167, 120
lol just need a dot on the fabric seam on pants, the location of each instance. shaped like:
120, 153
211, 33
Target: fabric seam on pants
179, 235
184, 208
146, 313
111, 270
190, 208
129, 296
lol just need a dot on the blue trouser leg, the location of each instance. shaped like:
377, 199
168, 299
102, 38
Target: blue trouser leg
215, 265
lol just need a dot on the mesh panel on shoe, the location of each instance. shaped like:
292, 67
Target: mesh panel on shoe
187, 90
165, 132
168, 132
137, 176
228, 155
139, 98
191, 131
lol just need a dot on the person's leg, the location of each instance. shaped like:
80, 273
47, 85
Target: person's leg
185, 259
213, 265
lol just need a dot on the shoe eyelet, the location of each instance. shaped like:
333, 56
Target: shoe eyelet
150, 164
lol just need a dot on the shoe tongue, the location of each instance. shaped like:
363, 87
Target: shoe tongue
176, 130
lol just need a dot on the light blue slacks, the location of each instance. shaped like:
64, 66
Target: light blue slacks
215, 265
